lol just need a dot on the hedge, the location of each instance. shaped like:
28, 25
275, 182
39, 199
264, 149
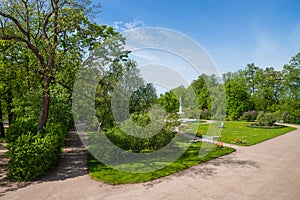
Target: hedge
32, 155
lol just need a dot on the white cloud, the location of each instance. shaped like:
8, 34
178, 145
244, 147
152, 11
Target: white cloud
123, 26
117, 25
136, 23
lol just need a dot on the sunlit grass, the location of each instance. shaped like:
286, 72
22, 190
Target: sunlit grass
238, 132
190, 158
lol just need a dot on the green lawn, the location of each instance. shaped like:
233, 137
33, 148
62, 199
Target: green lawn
190, 158
238, 132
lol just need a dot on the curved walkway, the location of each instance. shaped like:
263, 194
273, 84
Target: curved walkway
269, 170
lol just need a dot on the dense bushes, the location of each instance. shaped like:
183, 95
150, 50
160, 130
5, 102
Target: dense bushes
266, 119
31, 155
136, 144
205, 114
136, 137
19, 126
250, 116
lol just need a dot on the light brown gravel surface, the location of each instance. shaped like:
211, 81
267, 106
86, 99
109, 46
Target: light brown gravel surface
269, 170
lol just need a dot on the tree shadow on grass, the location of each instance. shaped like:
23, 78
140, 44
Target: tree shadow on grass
73, 163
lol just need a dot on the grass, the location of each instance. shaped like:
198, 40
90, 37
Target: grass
190, 158
238, 132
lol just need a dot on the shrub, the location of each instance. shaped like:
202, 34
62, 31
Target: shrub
291, 116
137, 144
266, 119
234, 116
19, 126
31, 155
250, 116
205, 114
141, 120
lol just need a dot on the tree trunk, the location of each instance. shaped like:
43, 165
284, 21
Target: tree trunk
2, 133
45, 102
9, 107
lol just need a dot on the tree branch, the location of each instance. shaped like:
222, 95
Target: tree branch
45, 26
16, 22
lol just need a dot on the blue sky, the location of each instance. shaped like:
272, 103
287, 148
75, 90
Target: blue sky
233, 32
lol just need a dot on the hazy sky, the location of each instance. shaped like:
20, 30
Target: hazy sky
233, 32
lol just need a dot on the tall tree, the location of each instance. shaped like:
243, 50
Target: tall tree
291, 94
201, 88
237, 98
52, 30
251, 83
250, 72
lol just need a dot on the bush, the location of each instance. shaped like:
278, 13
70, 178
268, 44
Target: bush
136, 144
234, 116
266, 119
19, 126
32, 155
250, 116
205, 114
292, 116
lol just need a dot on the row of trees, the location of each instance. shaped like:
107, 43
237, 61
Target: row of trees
250, 89
268, 90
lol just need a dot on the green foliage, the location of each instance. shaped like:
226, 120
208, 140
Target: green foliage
142, 99
19, 127
237, 99
137, 144
129, 90
205, 114
266, 119
169, 101
172, 120
137, 135
189, 101
61, 107
32, 155
141, 120
201, 87
250, 116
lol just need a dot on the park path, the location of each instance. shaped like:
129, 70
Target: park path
269, 170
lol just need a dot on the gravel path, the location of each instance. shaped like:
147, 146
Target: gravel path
269, 170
